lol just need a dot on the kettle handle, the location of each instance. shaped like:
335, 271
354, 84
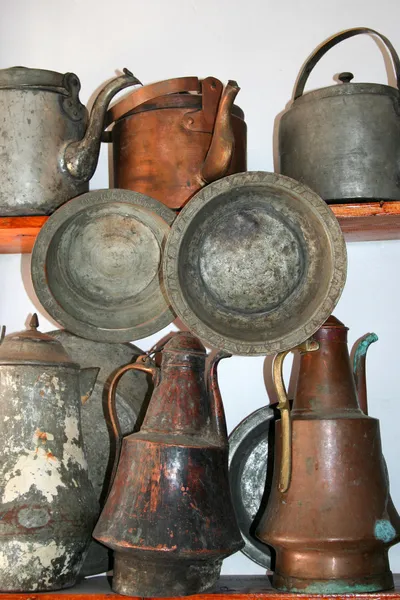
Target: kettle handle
330, 43
360, 352
285, 473
111, 402
150, 92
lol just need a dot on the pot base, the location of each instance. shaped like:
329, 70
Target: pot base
146, 577
371, 583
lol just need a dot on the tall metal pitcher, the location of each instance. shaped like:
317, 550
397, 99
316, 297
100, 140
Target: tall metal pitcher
169, 516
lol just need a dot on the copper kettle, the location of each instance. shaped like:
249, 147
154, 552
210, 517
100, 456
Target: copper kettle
330, 517
173, 137
169, 516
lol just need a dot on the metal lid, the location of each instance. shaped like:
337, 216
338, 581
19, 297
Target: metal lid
184, 341
33, 346
347, 89
21, 77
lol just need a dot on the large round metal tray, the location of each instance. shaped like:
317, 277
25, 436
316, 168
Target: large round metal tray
132, 394
96, 265
255, 263
250, 483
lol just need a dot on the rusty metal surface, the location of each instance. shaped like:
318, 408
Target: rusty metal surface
249, 454
49, 148
332, 528
255, 263
170, 520
344, 140
165, 147
131, 396
47, 503
96, 265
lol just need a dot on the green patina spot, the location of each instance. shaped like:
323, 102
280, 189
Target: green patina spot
333, 587
384, 530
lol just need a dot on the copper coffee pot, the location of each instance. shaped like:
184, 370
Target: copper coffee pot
330, 517
169, 516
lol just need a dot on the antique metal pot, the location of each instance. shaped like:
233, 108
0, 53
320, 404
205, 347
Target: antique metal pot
96, 265
344, 140
48, 149
329, 517
254, 262
47, 504
169, 516
168, 143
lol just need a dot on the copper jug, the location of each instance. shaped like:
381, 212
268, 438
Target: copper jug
173, 137
169, 516
330, 517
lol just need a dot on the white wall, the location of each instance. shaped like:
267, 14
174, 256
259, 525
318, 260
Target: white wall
261, 44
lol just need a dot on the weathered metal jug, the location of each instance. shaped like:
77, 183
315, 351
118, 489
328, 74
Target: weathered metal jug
169, 516
48, 149
330, 517
47, 504
344, 140
173, 137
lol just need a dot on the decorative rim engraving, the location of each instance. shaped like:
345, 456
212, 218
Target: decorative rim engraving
185, 219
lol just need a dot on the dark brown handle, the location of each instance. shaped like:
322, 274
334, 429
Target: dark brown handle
111, 404
150, 92
330, 43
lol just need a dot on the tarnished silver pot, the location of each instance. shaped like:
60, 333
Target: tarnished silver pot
344, 140
47, 503
48, 146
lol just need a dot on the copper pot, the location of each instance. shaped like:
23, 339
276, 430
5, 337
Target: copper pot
175, 136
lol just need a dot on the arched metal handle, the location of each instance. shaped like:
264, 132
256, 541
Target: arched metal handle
330, 43
141, 364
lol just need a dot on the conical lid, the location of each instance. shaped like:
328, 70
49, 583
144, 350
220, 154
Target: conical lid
31, 345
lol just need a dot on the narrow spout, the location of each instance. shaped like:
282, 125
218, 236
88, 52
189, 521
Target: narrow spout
360, 352
81, 157
216, 407
222, 145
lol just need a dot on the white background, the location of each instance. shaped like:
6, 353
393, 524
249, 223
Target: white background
262, 44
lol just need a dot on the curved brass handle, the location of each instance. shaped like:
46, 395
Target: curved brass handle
285, 473
286, 425
145, 366
332, 41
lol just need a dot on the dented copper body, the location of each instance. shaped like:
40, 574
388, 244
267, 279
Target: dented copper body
169, 516
332, 526
47, 504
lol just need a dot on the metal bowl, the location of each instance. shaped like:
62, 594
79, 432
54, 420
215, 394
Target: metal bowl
249, 443
96, 265
132, 393
255, 263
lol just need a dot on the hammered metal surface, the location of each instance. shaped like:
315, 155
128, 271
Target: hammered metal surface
96, 265
255, 263
248, 460
131, 394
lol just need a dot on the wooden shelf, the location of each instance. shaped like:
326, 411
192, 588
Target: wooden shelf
238, 588
370, 221
18, 234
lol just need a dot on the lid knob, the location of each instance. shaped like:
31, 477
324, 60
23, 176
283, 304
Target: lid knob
346, 77
34, 322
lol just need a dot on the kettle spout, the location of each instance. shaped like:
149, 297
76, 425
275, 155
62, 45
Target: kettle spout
81, 157
359, 353
216, 406
222, 145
